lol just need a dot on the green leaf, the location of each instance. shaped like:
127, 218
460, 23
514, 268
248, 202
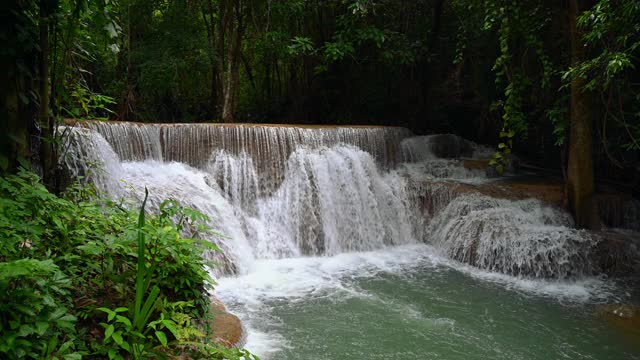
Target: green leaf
41, 327
171, 326
109, 331
124, 320
117, 337
162, 337
140, 278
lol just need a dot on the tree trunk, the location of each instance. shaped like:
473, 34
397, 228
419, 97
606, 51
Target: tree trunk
230, 104
214, 58
431, 73
47, 143
14, 128
580, 182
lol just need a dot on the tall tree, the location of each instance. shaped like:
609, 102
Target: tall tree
580, 181
234, 28
48, 156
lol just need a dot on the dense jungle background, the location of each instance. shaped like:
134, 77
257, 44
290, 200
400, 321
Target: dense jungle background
514, 74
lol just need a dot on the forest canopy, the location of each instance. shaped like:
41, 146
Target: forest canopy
556, 82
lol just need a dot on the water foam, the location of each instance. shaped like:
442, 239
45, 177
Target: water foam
308, 279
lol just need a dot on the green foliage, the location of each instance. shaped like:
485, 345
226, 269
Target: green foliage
612, 29
85, 104
519, 28
301, 46
81, 275
612, 25
84, 33
35, 322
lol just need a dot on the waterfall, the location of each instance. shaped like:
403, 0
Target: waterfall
336, 200
514, 237
277, 192
268, 146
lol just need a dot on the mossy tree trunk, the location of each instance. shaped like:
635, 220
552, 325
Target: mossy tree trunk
580, 178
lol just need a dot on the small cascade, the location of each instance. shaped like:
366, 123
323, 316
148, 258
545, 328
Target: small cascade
90, 158
619, 212
237, 177
335, 200
440, 157
522, 237
190, 188
132, 142
441, 146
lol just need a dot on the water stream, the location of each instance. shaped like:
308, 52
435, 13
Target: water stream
328, 254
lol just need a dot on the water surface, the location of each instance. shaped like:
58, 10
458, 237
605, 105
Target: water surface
408, 303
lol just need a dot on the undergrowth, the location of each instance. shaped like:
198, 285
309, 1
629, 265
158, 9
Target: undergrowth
83, 276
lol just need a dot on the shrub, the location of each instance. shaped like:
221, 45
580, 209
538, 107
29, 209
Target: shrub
82, 275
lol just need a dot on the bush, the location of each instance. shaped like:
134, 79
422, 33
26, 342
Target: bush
81, 275
34, 319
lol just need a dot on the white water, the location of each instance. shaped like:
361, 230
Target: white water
512, 237
333, 198
302, 211
310, 279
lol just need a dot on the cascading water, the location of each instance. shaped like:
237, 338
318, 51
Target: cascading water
324, 232
331, 199
335, 200
279, 192
512, 237
90, 158
268, 146
439, 156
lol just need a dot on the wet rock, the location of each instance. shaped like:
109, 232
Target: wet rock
227, 328
435, 195
474, 164
549, 192
618, 210
450, 146
624, 317
617, 253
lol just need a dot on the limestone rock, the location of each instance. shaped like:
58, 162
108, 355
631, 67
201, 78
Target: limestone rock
227, 328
